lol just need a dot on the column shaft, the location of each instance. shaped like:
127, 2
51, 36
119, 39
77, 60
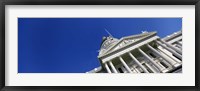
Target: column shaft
179, 43
112, 66
125, 65
107, 68
172, 47
137, 70
171, 62
172, 51
150, 68
138, 63
151, 60
179, 46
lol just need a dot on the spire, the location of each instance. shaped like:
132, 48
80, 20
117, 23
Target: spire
108, 32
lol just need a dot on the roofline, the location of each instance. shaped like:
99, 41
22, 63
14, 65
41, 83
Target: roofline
178, 33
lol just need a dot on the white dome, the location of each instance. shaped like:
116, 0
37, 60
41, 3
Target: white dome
107, 43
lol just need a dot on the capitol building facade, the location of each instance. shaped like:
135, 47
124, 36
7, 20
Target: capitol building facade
141, 53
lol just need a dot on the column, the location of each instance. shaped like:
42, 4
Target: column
125, 65
172, 51
112, 66
179, 43
151, 60
149, 66
136, 70
171, 62
172, 47
107, 68
138, 63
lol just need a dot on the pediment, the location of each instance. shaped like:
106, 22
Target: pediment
125, 41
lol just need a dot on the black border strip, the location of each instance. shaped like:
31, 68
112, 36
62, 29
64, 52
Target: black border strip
97, 2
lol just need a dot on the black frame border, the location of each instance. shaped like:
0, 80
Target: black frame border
3, 3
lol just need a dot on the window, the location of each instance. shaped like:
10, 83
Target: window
148, 69
166, 66
139, 69
178, 46
177, 57
120, 70
152, 55
142, 71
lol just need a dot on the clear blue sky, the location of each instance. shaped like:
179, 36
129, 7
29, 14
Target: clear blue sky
70, 45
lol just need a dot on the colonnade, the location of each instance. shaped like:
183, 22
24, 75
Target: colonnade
110, 68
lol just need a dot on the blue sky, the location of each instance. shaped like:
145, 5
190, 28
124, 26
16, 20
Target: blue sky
70, 45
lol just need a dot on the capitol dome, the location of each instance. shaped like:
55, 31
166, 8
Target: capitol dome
107, 42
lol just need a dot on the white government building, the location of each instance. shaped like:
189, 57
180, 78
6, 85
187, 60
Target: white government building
142, 53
